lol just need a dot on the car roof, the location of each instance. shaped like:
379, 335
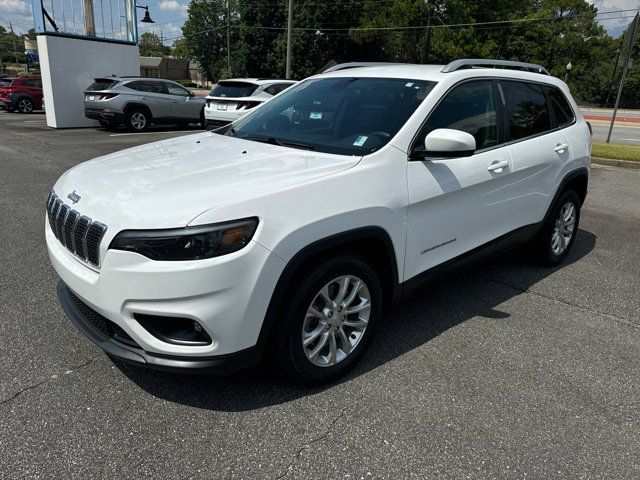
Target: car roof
434, 73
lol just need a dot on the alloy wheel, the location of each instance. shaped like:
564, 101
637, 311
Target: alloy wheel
563, 228
336, 320
25, 106
138, 121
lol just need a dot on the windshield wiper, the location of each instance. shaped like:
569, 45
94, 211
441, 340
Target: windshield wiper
279, 141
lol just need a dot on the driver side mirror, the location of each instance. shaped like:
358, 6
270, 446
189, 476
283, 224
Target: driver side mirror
446, 142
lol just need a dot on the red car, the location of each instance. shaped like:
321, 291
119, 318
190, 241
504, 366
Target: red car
21, 94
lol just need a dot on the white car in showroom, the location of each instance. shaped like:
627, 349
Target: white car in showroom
230, 99
285, 233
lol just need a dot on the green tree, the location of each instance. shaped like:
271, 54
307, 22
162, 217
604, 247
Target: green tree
150, 45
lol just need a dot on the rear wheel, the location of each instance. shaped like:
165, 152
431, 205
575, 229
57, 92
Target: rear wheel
137, 120
560, 229
25, 105
328, 320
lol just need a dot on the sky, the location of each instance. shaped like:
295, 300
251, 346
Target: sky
169, 15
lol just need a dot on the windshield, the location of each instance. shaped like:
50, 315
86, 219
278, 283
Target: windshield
233, 89
349, 116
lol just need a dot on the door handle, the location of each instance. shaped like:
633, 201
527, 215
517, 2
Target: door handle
498, 166
561, 147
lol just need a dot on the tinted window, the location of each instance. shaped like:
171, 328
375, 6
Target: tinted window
276, 88
470, 107
346, 115
233, 89
525, 108
559, 106
150, 87
102, 84
5, 83
177, 90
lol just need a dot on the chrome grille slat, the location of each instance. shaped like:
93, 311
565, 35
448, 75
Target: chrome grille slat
78, 233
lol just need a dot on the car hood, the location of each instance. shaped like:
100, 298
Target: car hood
169, 183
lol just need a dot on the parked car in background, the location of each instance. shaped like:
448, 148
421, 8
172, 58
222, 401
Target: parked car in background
22, 95
230, 99
137, 102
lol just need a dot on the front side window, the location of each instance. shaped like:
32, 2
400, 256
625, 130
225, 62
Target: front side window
177, 90
470, 107
559, 106
525, 108
346, 115
5, 82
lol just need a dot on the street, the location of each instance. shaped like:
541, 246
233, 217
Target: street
626, 129
505, 371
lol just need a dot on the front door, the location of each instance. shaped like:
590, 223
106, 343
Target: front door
458, 204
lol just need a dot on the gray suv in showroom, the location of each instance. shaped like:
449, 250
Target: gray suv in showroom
137, 102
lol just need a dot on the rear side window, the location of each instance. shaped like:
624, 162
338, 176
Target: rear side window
147, 86
560, 107
526, 109
233, 89
102, 84
470, 107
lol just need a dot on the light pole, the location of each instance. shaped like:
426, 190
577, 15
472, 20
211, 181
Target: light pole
613, 76
566, 75
289, 28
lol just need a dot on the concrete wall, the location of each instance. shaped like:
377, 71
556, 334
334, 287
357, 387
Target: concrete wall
69, 65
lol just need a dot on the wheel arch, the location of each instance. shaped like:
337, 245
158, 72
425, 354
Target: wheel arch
374, 243
131, 105
577, 180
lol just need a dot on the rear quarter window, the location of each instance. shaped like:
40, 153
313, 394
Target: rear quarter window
559, 106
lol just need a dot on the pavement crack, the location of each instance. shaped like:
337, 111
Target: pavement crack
316, 439
41, 382
621, 320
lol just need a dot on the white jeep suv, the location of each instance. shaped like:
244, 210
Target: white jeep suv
287, 232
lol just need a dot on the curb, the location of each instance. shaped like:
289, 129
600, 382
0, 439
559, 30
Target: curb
616, 163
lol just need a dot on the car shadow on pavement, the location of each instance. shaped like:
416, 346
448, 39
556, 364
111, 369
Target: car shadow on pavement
476, 292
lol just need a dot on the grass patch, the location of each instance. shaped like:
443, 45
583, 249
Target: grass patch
615, 151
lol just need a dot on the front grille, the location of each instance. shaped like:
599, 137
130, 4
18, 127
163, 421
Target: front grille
107, 327
79, 234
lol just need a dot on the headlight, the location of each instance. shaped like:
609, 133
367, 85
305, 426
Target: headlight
190, 243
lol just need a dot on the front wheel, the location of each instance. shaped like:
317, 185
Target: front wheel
328, 320
560, 229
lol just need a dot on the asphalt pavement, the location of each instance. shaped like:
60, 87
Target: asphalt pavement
508, 370
626, 129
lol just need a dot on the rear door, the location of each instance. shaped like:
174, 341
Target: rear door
154, 94
458, 204
538, 145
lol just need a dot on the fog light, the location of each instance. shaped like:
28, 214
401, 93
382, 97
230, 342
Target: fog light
175, 330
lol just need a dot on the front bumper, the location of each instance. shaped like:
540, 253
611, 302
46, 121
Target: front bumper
113, 344
227, 295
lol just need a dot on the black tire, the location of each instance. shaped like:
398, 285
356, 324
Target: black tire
547, 254
25, 105
288, 350
137, 120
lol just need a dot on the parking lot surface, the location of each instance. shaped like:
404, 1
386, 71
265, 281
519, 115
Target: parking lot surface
506, 371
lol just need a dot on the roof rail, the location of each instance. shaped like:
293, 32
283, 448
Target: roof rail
475, 62
345, 66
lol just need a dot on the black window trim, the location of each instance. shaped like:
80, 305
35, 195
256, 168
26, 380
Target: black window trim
502, 122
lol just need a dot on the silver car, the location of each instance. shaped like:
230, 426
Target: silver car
137, 102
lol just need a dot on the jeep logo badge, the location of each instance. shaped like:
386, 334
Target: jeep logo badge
74, 197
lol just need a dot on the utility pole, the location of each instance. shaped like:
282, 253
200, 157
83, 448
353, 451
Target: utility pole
289, 28
228, 39
613, 76
631, 32
13, 36
89, 22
